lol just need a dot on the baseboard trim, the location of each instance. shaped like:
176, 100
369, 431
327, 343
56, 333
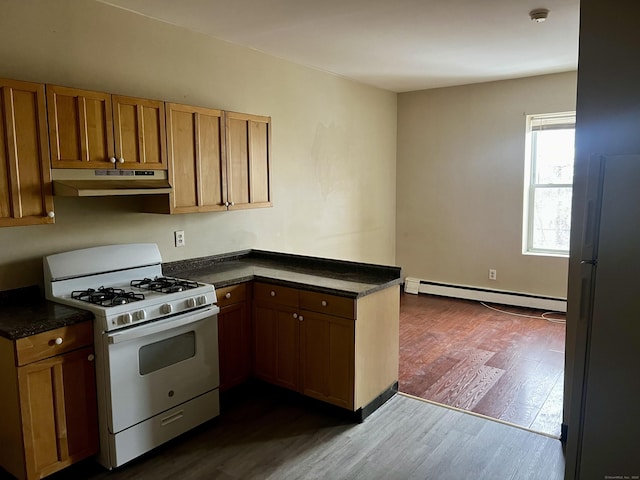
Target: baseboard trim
376, 403
486, 295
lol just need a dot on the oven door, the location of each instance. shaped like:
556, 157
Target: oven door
158, 365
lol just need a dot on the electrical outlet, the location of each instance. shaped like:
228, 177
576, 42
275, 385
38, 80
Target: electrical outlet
493, 274
179, 235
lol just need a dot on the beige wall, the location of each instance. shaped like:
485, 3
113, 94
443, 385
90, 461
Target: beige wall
334, 140
460, 173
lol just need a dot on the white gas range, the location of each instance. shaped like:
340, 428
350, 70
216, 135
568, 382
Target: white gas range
155, 341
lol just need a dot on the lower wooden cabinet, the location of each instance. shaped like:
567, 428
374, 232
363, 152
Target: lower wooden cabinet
326, 358
49, 403
234, 335
340, 350
276, 345
302, 350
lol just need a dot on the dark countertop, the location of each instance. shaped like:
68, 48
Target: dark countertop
336, 277
24, 312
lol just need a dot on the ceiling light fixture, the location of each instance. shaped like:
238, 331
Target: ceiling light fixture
539, 15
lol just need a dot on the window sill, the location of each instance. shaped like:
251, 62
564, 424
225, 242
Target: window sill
547, 254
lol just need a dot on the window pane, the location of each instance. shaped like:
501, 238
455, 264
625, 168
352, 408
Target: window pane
551, 218
554, 156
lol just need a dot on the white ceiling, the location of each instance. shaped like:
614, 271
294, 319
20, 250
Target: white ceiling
398, 45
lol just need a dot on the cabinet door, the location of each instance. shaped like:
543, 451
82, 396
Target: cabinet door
81, 413
57, 398
327, 358
140, 134
26, 196
248, 156
276, 346
80, 128
234, 341
195, 159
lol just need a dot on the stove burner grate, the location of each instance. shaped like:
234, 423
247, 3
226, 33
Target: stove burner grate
164, 284
107, 296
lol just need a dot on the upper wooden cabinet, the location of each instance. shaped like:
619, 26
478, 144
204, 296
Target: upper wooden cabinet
25, 174
248, 155
217, 160
140, 135
195, 151
97, 130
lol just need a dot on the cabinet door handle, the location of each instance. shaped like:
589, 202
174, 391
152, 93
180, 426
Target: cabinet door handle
273, 294
323, 303
112, 159
58, 341
227, 295
301, 318
295, 315
91, 357
121, 160
51, 214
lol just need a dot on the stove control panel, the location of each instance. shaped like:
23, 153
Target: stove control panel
134, 313
167, 308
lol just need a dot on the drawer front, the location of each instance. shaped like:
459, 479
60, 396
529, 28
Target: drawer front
264, 292
328, 304
230, 295
54, 342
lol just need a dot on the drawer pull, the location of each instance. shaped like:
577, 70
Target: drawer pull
172, 418
91, 357
273, 294
323, 303
227, 295
58, 341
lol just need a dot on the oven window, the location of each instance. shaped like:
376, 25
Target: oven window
156, 356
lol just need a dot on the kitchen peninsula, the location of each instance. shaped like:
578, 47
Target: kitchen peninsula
325, 328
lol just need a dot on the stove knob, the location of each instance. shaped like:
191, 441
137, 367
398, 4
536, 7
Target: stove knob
191, 302
141, 314
202, 300
166, 308
126, 318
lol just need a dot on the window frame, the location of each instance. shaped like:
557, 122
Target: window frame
535, 123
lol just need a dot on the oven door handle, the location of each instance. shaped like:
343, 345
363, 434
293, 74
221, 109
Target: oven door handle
162, 325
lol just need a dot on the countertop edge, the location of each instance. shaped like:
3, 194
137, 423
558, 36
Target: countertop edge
386, 276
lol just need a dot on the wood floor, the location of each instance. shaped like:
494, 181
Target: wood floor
462, 354
277, 435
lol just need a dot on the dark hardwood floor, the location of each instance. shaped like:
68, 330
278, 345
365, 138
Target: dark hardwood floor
272, 434
461, 354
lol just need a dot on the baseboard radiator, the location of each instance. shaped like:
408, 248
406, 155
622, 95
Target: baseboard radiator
415, 286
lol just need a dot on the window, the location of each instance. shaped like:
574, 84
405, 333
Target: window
548, 183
